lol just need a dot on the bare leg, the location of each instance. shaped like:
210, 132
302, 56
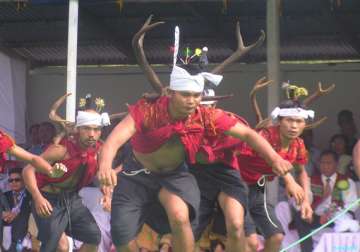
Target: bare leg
273, 243
218, 248
130, 247
63, 245
252, 243
178, 215
234, 219
88, 248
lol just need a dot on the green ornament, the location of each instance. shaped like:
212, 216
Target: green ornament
342, 185
187, 52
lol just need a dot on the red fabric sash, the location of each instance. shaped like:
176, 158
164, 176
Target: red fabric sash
6, 142
223, 148
252, 166
154, 126
78, 157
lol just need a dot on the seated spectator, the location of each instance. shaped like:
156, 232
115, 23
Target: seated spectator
47, 132
338, 144
348, 128
34, 145
331, 191
17, 214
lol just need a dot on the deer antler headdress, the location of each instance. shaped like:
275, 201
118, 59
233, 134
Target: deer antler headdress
293, 93
83, 118
138, 40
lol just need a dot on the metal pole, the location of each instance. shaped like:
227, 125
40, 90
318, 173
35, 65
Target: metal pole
273, 71
71, 59
273, 52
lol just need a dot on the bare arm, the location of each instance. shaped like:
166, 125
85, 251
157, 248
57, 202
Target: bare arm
30, 181
119, 136
260, 145
293, 189
306, 210
36, 161
53, 154
304, 181
356, 158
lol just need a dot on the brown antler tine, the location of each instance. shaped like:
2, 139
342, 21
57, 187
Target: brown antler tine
118, 115
217, 97
264, 123
327, 90
137, 44
66, 126
259, 84
53, 116
316, 124
240, 51
319, 92
59, 137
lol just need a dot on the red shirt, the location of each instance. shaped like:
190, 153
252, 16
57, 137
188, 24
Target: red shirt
154, 126
6, 142
223, 149
78, 157
252, 166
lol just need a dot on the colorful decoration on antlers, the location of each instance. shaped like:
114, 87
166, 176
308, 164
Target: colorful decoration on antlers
190, 55
100, 104
293, 92
85, 103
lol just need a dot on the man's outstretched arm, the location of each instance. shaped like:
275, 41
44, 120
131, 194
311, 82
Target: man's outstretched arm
260, 145
119, 136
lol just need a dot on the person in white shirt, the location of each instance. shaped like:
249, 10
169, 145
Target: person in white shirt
331, 192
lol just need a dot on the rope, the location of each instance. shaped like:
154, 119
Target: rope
133, 173
262, 183
347, 209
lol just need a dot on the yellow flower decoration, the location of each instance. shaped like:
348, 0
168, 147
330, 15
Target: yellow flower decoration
82, 102
100, 103
342, 185
198, 52
293, 91
300, 91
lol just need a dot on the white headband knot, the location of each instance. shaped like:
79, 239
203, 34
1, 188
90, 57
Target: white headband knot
84, 118
181, 80
287, 112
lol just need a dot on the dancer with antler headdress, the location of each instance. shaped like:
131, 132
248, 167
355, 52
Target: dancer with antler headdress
57, 206
163, 133
290, 120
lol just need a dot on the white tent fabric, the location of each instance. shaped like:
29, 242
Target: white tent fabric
13, 97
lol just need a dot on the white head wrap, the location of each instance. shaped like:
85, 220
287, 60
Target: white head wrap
297, 112
84, 118
208, 93
181, 80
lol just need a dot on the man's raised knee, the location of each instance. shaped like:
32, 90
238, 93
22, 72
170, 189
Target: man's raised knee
276, 238
179, 219
235, 230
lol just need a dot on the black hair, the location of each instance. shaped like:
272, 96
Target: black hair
342, 136
16, 170
292, 104
35, 125
345, 115
330, 153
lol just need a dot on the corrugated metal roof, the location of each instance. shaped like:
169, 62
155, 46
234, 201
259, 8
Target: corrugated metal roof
38, 31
